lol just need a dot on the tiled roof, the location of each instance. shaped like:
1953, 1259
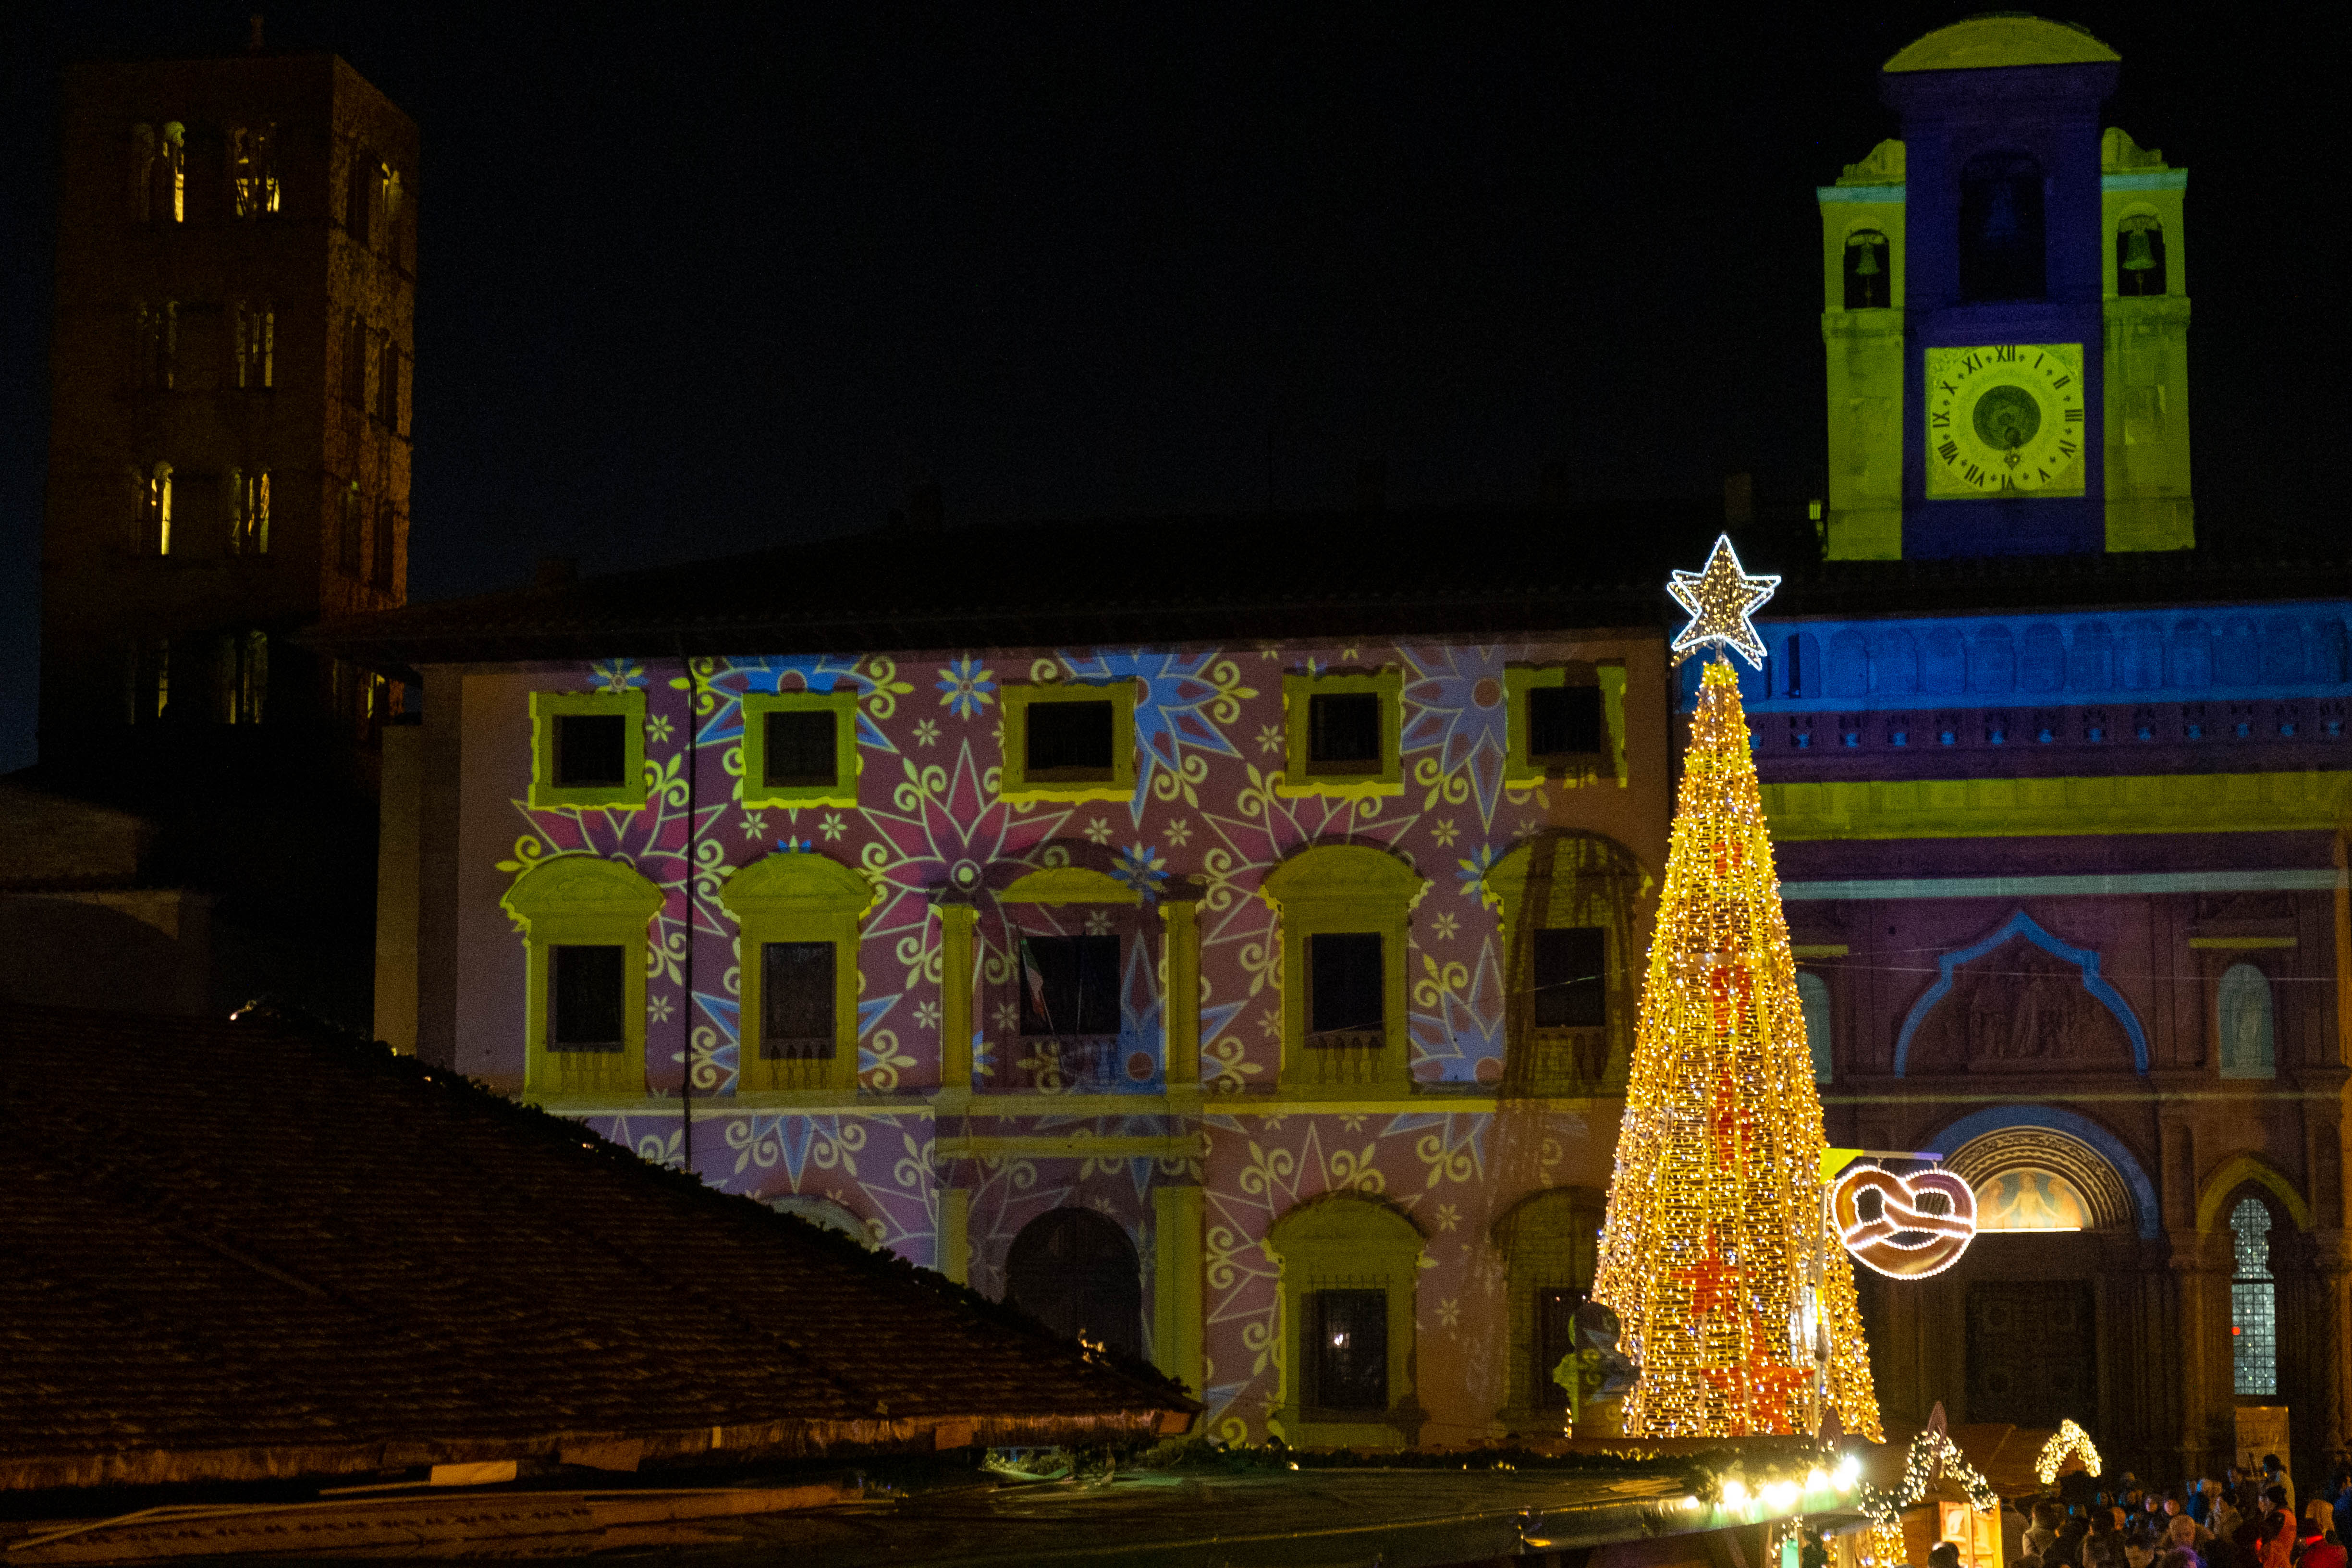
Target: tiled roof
238, 1250
1456, 572
1171, 579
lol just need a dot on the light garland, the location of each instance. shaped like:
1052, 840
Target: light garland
1930, 1451
2068, 1440
1738, 1302
1721, 600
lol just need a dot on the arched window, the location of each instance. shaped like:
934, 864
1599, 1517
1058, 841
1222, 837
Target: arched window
1813, 999
2139, 256
1076, 1002
583, 922
2001, 243
1349, 1267
2245, 1016
2253, 1300
825, 1215
798, 912
1869, 272
1343, 909
1548, 1242
1076, 1272
1570, 984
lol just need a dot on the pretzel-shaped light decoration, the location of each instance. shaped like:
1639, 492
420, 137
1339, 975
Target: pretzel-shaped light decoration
1904, 1240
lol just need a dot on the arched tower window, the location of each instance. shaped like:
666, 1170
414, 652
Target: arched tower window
1813, 999
2253, 1300
2247, 1048
2002, 242
1869, 272
2139, 256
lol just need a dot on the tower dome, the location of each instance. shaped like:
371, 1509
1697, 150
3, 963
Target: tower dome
2001, 38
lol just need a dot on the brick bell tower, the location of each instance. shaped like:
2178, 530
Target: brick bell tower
230, 384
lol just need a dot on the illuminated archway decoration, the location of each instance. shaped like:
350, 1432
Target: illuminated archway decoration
1931, 1451
2068, 1441
1899, 1235
2085, 960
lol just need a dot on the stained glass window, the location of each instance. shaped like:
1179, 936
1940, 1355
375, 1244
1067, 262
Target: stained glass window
1814, 997
2254, 1300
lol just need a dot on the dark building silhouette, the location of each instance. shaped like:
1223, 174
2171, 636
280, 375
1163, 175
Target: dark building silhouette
229, 461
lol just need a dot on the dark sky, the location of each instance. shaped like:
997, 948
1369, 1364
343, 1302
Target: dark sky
696, 278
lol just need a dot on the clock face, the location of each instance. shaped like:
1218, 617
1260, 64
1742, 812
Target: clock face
2005, 419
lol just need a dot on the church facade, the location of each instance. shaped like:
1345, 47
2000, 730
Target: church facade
2062, 837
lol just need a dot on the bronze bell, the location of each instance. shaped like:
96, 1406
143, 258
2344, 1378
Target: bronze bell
2137, 256
1868, 266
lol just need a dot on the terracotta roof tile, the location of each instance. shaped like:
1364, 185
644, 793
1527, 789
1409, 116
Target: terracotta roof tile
238, 1250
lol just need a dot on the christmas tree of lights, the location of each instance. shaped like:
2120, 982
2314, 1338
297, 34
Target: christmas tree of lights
1738, 1302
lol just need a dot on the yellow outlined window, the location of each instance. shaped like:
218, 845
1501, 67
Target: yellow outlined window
583, 926
800, 748
1348, 1365
1341, 734
798, 915
1563, 724
1069, 741
598, 762
1343, 909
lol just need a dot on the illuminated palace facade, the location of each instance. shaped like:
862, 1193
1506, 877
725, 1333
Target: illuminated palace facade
1261, 1002
2059, 795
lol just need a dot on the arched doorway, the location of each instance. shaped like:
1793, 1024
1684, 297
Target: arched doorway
1076, 1272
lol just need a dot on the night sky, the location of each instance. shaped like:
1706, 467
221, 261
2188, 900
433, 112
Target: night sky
696, 278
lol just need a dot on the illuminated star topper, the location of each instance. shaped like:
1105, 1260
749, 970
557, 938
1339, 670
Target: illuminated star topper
1720, 599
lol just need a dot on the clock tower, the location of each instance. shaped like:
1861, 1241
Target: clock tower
2006, 313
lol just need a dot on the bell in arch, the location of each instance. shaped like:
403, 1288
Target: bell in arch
1866, 264
2138, 254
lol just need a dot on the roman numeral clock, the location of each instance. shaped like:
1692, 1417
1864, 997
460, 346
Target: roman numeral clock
2004, 419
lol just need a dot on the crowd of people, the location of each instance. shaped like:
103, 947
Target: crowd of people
2247, 1519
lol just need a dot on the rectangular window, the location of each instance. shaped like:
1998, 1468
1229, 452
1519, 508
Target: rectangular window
1563, 721
162, 676
1346, 1000
584, 1011
1069, 743
1343, 733
387, 385
1350, 1365
803, 749
591, 751
387, 545
1554, 1340
796, 1000
347, 532
1571, 981
355, 358
1069, 985
359, 197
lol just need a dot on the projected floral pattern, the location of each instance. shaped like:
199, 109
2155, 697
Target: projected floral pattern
1208, 814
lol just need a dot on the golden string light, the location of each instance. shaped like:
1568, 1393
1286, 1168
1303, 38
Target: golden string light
2069, 1439
1930, 1451
1738, 1302
1721, 600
